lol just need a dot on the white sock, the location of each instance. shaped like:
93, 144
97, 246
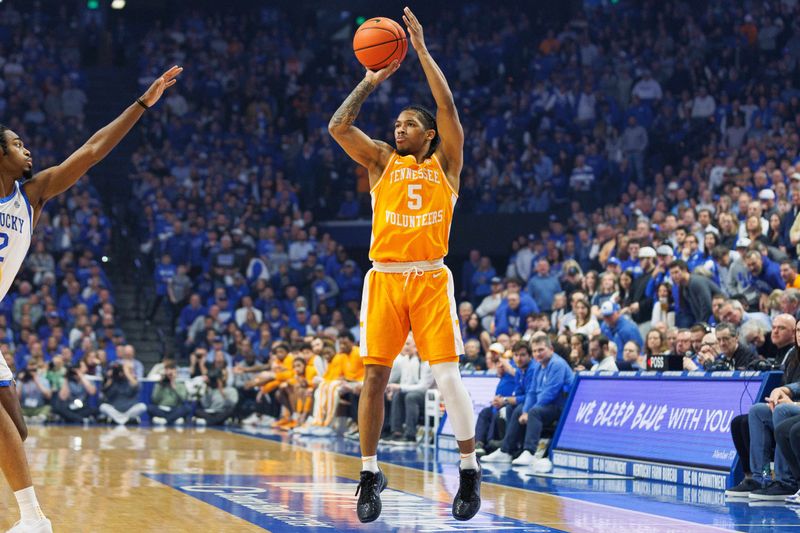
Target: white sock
469, 461
369, 464
29, 509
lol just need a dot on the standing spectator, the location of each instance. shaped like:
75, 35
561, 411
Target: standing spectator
694, 292
618, 328
543, 286
634, 146
165, 271
481, 279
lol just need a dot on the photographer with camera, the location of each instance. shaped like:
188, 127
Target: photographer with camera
34, 394
121, 392
168, 402
218, 403
754, 433
72, 403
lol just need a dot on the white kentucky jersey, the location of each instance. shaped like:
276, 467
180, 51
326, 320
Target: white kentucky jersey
16, 228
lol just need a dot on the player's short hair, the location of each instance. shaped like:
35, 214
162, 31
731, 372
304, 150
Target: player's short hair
3, 144
429, 122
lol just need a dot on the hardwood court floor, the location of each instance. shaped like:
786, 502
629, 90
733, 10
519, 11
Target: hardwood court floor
100, 479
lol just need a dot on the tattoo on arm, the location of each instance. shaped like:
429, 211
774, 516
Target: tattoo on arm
348, 111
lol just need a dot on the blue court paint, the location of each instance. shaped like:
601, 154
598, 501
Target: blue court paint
689, 504
289, 504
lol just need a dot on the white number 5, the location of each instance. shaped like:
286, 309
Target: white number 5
414, 198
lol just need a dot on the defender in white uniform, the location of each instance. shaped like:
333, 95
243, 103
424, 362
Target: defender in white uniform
16, 228
21, 205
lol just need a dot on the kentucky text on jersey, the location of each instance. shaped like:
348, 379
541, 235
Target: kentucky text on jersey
414, 221
406, 173
11, 222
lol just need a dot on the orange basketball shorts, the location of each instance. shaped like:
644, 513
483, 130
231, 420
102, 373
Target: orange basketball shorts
393, 303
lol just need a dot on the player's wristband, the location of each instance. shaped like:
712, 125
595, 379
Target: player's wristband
141, 103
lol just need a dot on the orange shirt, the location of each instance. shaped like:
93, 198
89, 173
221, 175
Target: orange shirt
288, 372
353, 365
795, 284
412, 208
311, 373
335, 368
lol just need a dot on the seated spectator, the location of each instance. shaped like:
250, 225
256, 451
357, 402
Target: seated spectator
168, 402
409, 380
72, 404
632, 358
607, 361
735, 354
121, 395
491, 425
579, 358
753, 432
473, 329
472, 360
789, 275
544, 401
582, 321
218, 403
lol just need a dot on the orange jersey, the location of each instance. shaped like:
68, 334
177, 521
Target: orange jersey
412, 208
353, 365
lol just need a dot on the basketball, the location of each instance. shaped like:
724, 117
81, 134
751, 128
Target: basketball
378, 42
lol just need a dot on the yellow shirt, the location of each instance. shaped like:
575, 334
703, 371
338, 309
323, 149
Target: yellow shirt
412, 208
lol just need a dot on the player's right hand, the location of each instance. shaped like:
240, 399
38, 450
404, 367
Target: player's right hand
377, 77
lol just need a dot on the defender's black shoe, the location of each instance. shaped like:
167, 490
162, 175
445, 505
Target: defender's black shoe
369, 501
468, 498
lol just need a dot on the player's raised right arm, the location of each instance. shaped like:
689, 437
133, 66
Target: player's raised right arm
364, 151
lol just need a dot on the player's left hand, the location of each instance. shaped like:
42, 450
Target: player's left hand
523, 418
414, 29
163, 82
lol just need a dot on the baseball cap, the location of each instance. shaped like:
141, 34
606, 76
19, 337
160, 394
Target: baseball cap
52, 314
766, 194
672, 186
350, 263
795, 176
613, 261
217, 339
496, 280
497, 347
646, 252
609, 308
301, 309
319, 268
664, 250
744, 242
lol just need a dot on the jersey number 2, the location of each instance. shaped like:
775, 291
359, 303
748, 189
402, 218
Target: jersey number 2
414, 198
3, 243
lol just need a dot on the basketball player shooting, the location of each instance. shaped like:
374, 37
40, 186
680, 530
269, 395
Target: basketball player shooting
21, 203
414, 188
